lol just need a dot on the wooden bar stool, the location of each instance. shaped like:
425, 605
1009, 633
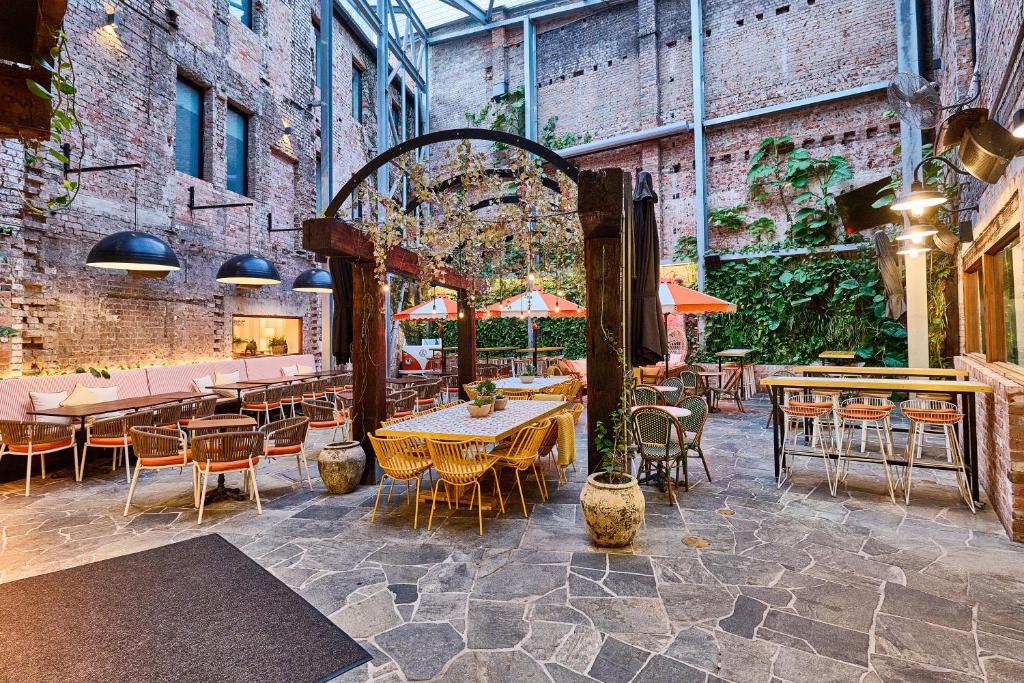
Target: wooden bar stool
819, 409
864, 412
924, 413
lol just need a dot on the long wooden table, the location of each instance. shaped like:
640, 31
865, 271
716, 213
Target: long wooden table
455, 422
964, 392
941, 373
133, 404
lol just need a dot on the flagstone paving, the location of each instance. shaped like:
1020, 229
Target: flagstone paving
793, 584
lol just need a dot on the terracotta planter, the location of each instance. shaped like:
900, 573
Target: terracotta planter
526, 379
501, 403
479, 411
341, 466
613, 512
278, 350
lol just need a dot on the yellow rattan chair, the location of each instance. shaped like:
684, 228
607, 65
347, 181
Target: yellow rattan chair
461, 463
517, 394
401, 461
522, 454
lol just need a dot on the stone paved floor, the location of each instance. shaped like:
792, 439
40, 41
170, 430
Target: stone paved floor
794, 586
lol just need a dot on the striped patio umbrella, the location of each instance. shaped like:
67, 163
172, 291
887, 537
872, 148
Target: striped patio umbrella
678, 299
438, 308
534, 303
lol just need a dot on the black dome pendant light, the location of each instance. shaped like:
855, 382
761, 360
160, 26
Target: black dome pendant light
246, 270
129, 249
315, 281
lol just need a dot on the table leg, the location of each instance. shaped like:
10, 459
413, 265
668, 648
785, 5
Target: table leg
776, 421
971, 443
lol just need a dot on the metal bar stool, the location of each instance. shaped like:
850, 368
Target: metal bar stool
924, 413
864, 412
819, 409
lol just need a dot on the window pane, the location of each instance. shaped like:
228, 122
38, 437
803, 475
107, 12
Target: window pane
357, 94
981, 310
188, 137
1013, 303
237, 151
242, 9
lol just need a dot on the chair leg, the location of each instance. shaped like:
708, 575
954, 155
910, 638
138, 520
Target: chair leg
195, 487
497, 489
433, 502
305, 462
127, 465
74, 454
42, 465
380, 489
28, 472
255, 490
202, 495
131, 489
908, 469
416, 505
479, 506
522, 498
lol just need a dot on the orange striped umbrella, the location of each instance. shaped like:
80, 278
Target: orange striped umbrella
534, 303
678, 299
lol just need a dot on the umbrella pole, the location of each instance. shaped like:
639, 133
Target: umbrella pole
667, 352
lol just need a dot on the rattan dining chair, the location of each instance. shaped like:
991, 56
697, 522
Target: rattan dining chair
323, 416
315, 389
675, 395
37, 438
227, 452
402, 461
518, 394
659, 439
260, 403
114, 433
167, 416
285, 439
522, 454
197, 410
693, 424
427, 395
461, 463
290, 397
159, 448
403, 403
645, 396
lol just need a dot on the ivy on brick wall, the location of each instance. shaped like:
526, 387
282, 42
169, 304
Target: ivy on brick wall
790, 309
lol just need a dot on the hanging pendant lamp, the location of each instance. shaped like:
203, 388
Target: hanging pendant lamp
131, 249
247, 269
315, 281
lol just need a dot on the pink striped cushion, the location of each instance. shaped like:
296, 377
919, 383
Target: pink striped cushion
14, 393
269, 367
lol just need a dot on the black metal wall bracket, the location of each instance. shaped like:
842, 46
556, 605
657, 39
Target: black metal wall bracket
271, 228
66, 150
192, 206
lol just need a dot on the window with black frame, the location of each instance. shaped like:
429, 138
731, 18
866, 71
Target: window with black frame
237, 151
241, 10
357, 93
188, 128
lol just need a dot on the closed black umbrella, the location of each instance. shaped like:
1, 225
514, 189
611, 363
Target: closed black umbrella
341, 337
648, 334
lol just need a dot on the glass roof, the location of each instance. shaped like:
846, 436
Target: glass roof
434, 13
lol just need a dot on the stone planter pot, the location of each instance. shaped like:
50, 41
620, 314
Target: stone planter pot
341, 466
613, 512
526, 379
501, 403
479, 411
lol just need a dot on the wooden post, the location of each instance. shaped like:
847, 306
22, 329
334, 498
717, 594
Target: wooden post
368, 367
602, 209
467, 342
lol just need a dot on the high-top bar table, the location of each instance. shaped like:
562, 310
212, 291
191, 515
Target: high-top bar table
742, 356
937, 373
838, 356
965, 392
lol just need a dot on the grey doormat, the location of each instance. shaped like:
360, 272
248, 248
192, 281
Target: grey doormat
199, 610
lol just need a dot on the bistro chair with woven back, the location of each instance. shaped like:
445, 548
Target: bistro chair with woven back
676, 393
645, 396
261, 403
291, 398
114, 433
427, 395
167, 416
401, 403
286, 439
401, 461
658, 438
323, 416
460, 464
226, 452
160, 448
32, 439
693, 424
693, 382
196, 410
338, 384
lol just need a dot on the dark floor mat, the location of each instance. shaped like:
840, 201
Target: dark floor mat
199, 610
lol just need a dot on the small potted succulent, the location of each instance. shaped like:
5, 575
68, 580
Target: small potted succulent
528, 374
480, 406
500, 400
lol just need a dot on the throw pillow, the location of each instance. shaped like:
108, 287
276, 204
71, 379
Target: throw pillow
41, 400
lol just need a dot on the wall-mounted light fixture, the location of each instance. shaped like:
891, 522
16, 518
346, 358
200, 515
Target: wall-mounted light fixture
113, 19
287, 130
246, 269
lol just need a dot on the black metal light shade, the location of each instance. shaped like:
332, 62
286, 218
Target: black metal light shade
131, 250
246, 269
314, 280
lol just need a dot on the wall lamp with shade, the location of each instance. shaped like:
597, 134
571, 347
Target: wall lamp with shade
245, 270
314, 281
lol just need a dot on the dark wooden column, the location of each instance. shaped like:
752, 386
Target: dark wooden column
368, 367
467, 342
602, 208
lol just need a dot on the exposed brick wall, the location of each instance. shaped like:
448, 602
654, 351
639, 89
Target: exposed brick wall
69, 315
999, 27
627, 67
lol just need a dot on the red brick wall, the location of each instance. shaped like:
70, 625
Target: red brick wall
627, 67
69, 315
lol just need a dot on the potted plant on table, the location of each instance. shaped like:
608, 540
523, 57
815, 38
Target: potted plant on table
480, 406
278, 345
528, 374
500, 400
238, 345
611, 501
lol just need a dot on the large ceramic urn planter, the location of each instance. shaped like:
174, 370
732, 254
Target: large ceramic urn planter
613, 512
341, 466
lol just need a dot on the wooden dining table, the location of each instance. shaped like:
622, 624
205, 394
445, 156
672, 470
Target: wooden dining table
133, 404
965, 392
